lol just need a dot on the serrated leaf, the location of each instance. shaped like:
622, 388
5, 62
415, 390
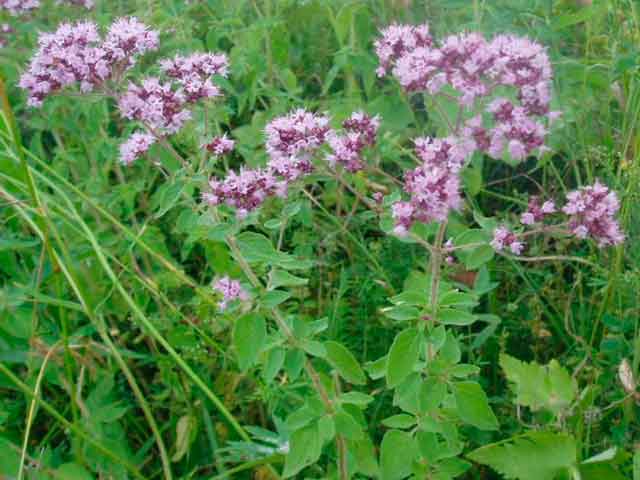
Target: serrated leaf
473, 407
534, 456
345, 363
403, 356
538, 386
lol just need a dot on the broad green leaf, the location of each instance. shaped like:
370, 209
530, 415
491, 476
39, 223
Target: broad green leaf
432, 393
452, 316
249, 335
282, 278
273, 363
377, 369
397, 454
356, 398
401, 313
274, 298
347, 426
401, 420
345, 363
473, 407
304, 449
364, 453
403, 356
538, 386
534, 456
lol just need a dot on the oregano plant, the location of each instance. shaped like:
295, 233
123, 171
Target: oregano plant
481, 99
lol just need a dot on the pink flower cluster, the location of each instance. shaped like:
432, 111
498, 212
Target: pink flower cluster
592, 211
156, 105
75, 53
291, 141
163, 107
137, 145
360, 132
434, 186
536, 211
230, 290
245, 191
398, 40
194, 73
219, 146
19, 7
475, 68
88, 4
504, 238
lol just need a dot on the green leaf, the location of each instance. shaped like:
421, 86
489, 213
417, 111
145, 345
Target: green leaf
356, 398
274, 298
452, 316
473, 406
255, 247
304, 449
273, 363
534, 456
401, 420
282, 278
249, 335
537, 386
432, 393
403, 356
364, 453
347, 426
397, 453
401, 313
340, 358
393, 110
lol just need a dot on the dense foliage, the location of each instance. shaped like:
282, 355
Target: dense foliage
319, 239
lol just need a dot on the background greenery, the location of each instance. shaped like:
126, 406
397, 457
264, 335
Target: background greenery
142, 259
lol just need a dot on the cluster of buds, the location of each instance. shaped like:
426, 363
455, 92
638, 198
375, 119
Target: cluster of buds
476, 67
230, 290
220, 146
291, 142
592, 211
19, 7
360, 132
434, 186
163, 107
195, 74
75, 54
504, 238
537, 211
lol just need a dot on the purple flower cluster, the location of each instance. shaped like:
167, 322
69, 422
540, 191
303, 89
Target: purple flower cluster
137, 145
75, 53
194, 74
291, 141
398, 40
503, 238
155, 104
88, 4
19, 7
245, 191
434, 186
592, 211
219, 146
537, 210
163, 107
230, 290
360, 132
476, 67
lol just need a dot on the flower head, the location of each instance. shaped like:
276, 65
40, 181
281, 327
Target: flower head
537, 210
396, 40
219, 146
195, 73
155, 104
19, 7
592, 210
361, 131
137, 145
504, 238
230, 290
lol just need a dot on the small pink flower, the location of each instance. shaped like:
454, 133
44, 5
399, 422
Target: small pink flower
220, 145
231, 290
